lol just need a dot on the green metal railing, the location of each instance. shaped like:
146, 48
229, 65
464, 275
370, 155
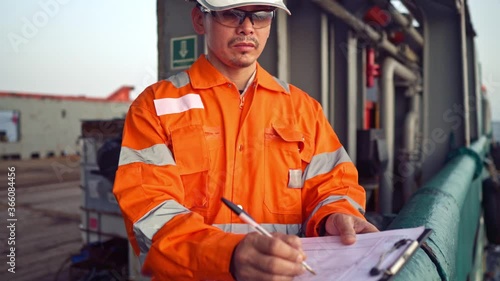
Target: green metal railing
450, 204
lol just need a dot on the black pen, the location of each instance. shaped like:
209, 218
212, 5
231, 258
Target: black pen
246, 218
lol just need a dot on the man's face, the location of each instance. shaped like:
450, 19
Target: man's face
232, 47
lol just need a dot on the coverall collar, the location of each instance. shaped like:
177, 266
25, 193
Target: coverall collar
204, 75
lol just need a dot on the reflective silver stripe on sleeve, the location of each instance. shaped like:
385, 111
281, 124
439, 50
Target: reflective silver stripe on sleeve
243, 228
331, 199
179, 80
325, 162
158, 155
147, 226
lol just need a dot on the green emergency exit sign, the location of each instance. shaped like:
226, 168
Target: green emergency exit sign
182, 51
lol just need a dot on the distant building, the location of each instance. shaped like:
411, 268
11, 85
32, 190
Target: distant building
37, 125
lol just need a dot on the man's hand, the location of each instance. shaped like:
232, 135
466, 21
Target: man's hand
258, 257
346, 226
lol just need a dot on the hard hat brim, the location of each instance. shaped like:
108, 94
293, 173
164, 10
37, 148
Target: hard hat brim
219, 5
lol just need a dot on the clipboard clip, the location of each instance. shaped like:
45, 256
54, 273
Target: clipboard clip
376, 270
394, 268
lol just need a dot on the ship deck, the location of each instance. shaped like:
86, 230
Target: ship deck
47, 210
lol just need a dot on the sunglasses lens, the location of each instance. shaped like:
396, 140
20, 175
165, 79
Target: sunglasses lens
234, 17
230, 17
263, 17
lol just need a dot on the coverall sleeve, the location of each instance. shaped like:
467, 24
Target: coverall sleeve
172, 242
330, 178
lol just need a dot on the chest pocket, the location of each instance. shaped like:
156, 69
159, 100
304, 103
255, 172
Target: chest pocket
282, 165
192, 146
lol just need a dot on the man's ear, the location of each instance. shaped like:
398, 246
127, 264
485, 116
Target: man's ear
197, 17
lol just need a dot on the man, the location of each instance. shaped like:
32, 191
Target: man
227, 128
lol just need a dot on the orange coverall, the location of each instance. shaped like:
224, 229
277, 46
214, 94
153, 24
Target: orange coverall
192, 139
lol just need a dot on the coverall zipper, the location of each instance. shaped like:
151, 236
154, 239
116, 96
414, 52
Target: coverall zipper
242, 100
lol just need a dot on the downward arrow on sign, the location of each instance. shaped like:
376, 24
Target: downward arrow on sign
184, 51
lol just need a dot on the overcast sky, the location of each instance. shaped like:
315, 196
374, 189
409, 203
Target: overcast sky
70, 47
93, 47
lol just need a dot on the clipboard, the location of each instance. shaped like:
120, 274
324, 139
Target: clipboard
386, 251
410, 247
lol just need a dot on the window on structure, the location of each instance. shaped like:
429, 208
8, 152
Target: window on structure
9, 126
63, 113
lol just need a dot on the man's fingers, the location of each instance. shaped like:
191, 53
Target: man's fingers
278, 266
292, 240
342, 225
278, 247
258, 257
347, 234
365, 227
346, 226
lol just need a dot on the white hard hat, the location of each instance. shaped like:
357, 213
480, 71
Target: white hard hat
219, 5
